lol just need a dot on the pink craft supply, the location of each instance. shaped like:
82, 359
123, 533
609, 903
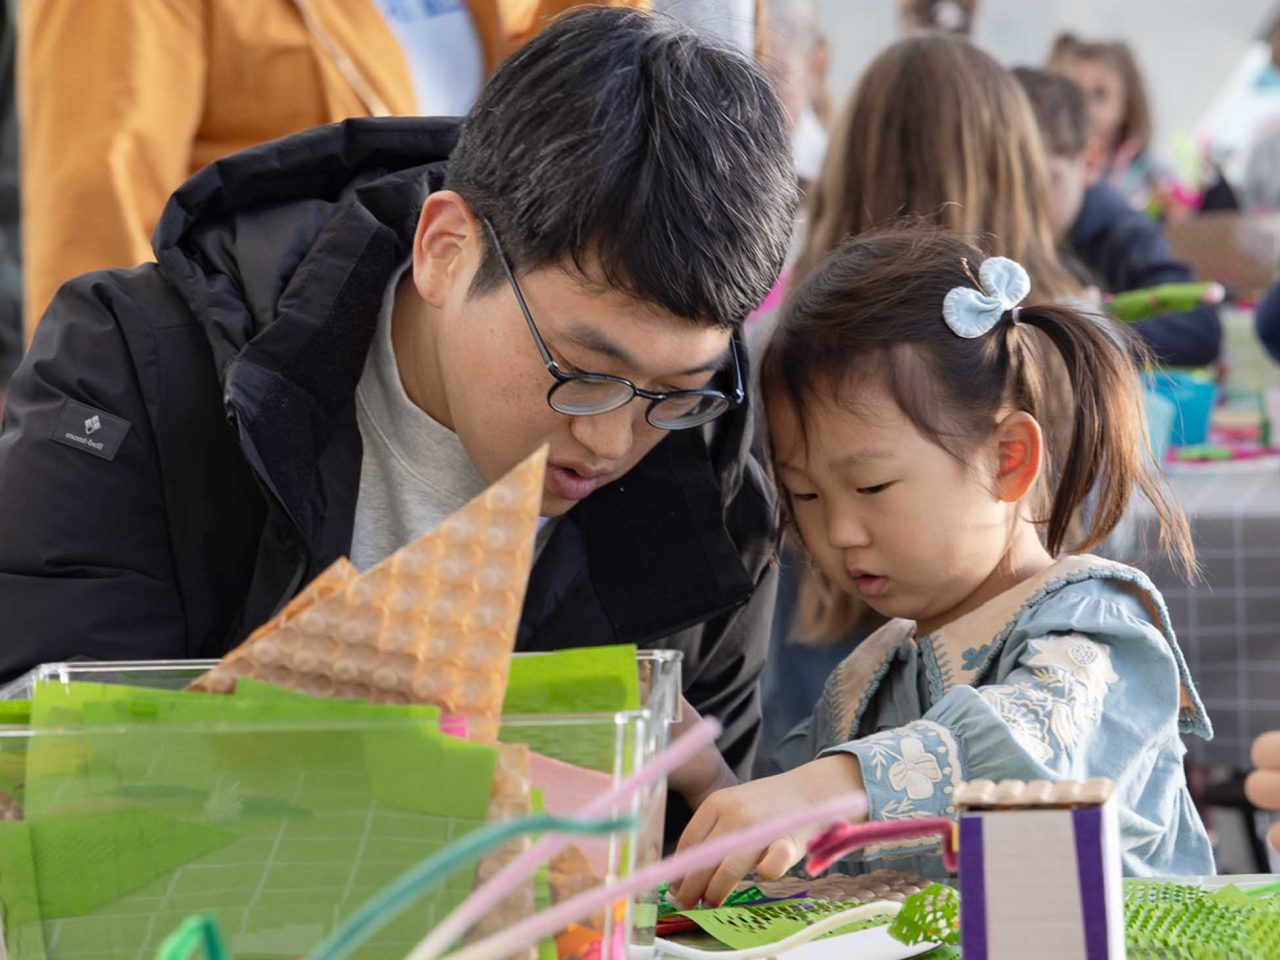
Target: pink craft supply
491, 892
567, 788
841, 839
454, 725
687, 861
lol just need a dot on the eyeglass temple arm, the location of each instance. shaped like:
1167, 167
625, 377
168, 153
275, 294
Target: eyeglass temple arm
547, 359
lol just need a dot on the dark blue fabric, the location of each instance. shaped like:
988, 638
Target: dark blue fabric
1125, 250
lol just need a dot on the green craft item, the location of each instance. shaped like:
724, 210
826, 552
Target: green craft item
577, 680
1134, 305
15, 712
542, 884
930, 916
23, 934
315, 805
586, 680
749, 927
84, 862
666, 908
413, 786
409, 763
1165, 920
1181, 922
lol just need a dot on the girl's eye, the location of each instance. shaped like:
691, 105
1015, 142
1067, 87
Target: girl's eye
878, 488
803, 497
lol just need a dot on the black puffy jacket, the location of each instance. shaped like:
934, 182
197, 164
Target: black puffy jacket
222, 471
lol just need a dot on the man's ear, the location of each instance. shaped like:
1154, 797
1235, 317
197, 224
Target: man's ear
447, 245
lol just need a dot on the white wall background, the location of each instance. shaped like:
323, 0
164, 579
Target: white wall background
1187, 48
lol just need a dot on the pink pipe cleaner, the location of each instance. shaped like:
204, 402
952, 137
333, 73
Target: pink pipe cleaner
491, 893
841, 839
548, 922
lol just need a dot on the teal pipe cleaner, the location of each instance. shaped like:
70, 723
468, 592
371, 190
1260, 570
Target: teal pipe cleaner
434, 869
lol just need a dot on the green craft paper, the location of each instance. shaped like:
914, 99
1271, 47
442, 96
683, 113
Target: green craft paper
578, 680
665, 908
454, 778
15, 712
411, 786
23, 935
83, 862
586, 680
409, 763
747, 928
248, 688
323, 802
542, 884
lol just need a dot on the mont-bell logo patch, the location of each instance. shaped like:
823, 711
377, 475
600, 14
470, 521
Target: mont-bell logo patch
93, 431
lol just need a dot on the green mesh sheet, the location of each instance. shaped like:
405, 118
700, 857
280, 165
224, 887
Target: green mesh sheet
930, 916
1163, 921
745, 928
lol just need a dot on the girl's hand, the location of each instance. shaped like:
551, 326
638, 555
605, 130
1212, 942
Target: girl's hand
706, 772
751, 803
1263, 785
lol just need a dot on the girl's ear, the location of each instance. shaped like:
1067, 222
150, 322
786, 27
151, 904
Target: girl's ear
1019, 449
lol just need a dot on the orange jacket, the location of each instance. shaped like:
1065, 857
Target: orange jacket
121, 100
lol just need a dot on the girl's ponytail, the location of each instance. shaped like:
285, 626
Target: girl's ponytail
1109, 452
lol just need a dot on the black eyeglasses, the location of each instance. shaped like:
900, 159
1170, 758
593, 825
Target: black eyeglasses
590, 394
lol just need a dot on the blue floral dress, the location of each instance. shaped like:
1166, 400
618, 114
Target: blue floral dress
1071, 675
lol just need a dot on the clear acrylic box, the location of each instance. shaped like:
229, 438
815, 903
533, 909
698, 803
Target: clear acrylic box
279, 829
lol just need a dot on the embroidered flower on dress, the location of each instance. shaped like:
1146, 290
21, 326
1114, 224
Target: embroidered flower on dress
917, 770
1088, 662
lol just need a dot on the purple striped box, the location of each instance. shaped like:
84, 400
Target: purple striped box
1043, 883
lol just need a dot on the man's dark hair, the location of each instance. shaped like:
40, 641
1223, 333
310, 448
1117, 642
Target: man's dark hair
617, 140
1060, 110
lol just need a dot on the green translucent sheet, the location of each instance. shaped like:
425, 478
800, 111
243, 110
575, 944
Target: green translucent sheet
275, 814
573, 681
577, 680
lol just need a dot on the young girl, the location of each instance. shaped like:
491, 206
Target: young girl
904, 406
1119, 111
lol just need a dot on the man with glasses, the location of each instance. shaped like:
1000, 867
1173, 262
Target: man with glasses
350, 332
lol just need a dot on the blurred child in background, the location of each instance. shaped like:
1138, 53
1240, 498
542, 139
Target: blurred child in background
1118, 247
1119, 110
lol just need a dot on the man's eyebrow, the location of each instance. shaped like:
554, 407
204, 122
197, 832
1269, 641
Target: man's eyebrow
589, 338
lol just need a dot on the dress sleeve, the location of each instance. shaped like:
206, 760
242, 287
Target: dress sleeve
1067, 705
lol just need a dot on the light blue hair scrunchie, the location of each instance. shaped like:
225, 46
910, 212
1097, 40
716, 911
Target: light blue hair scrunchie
970, 313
